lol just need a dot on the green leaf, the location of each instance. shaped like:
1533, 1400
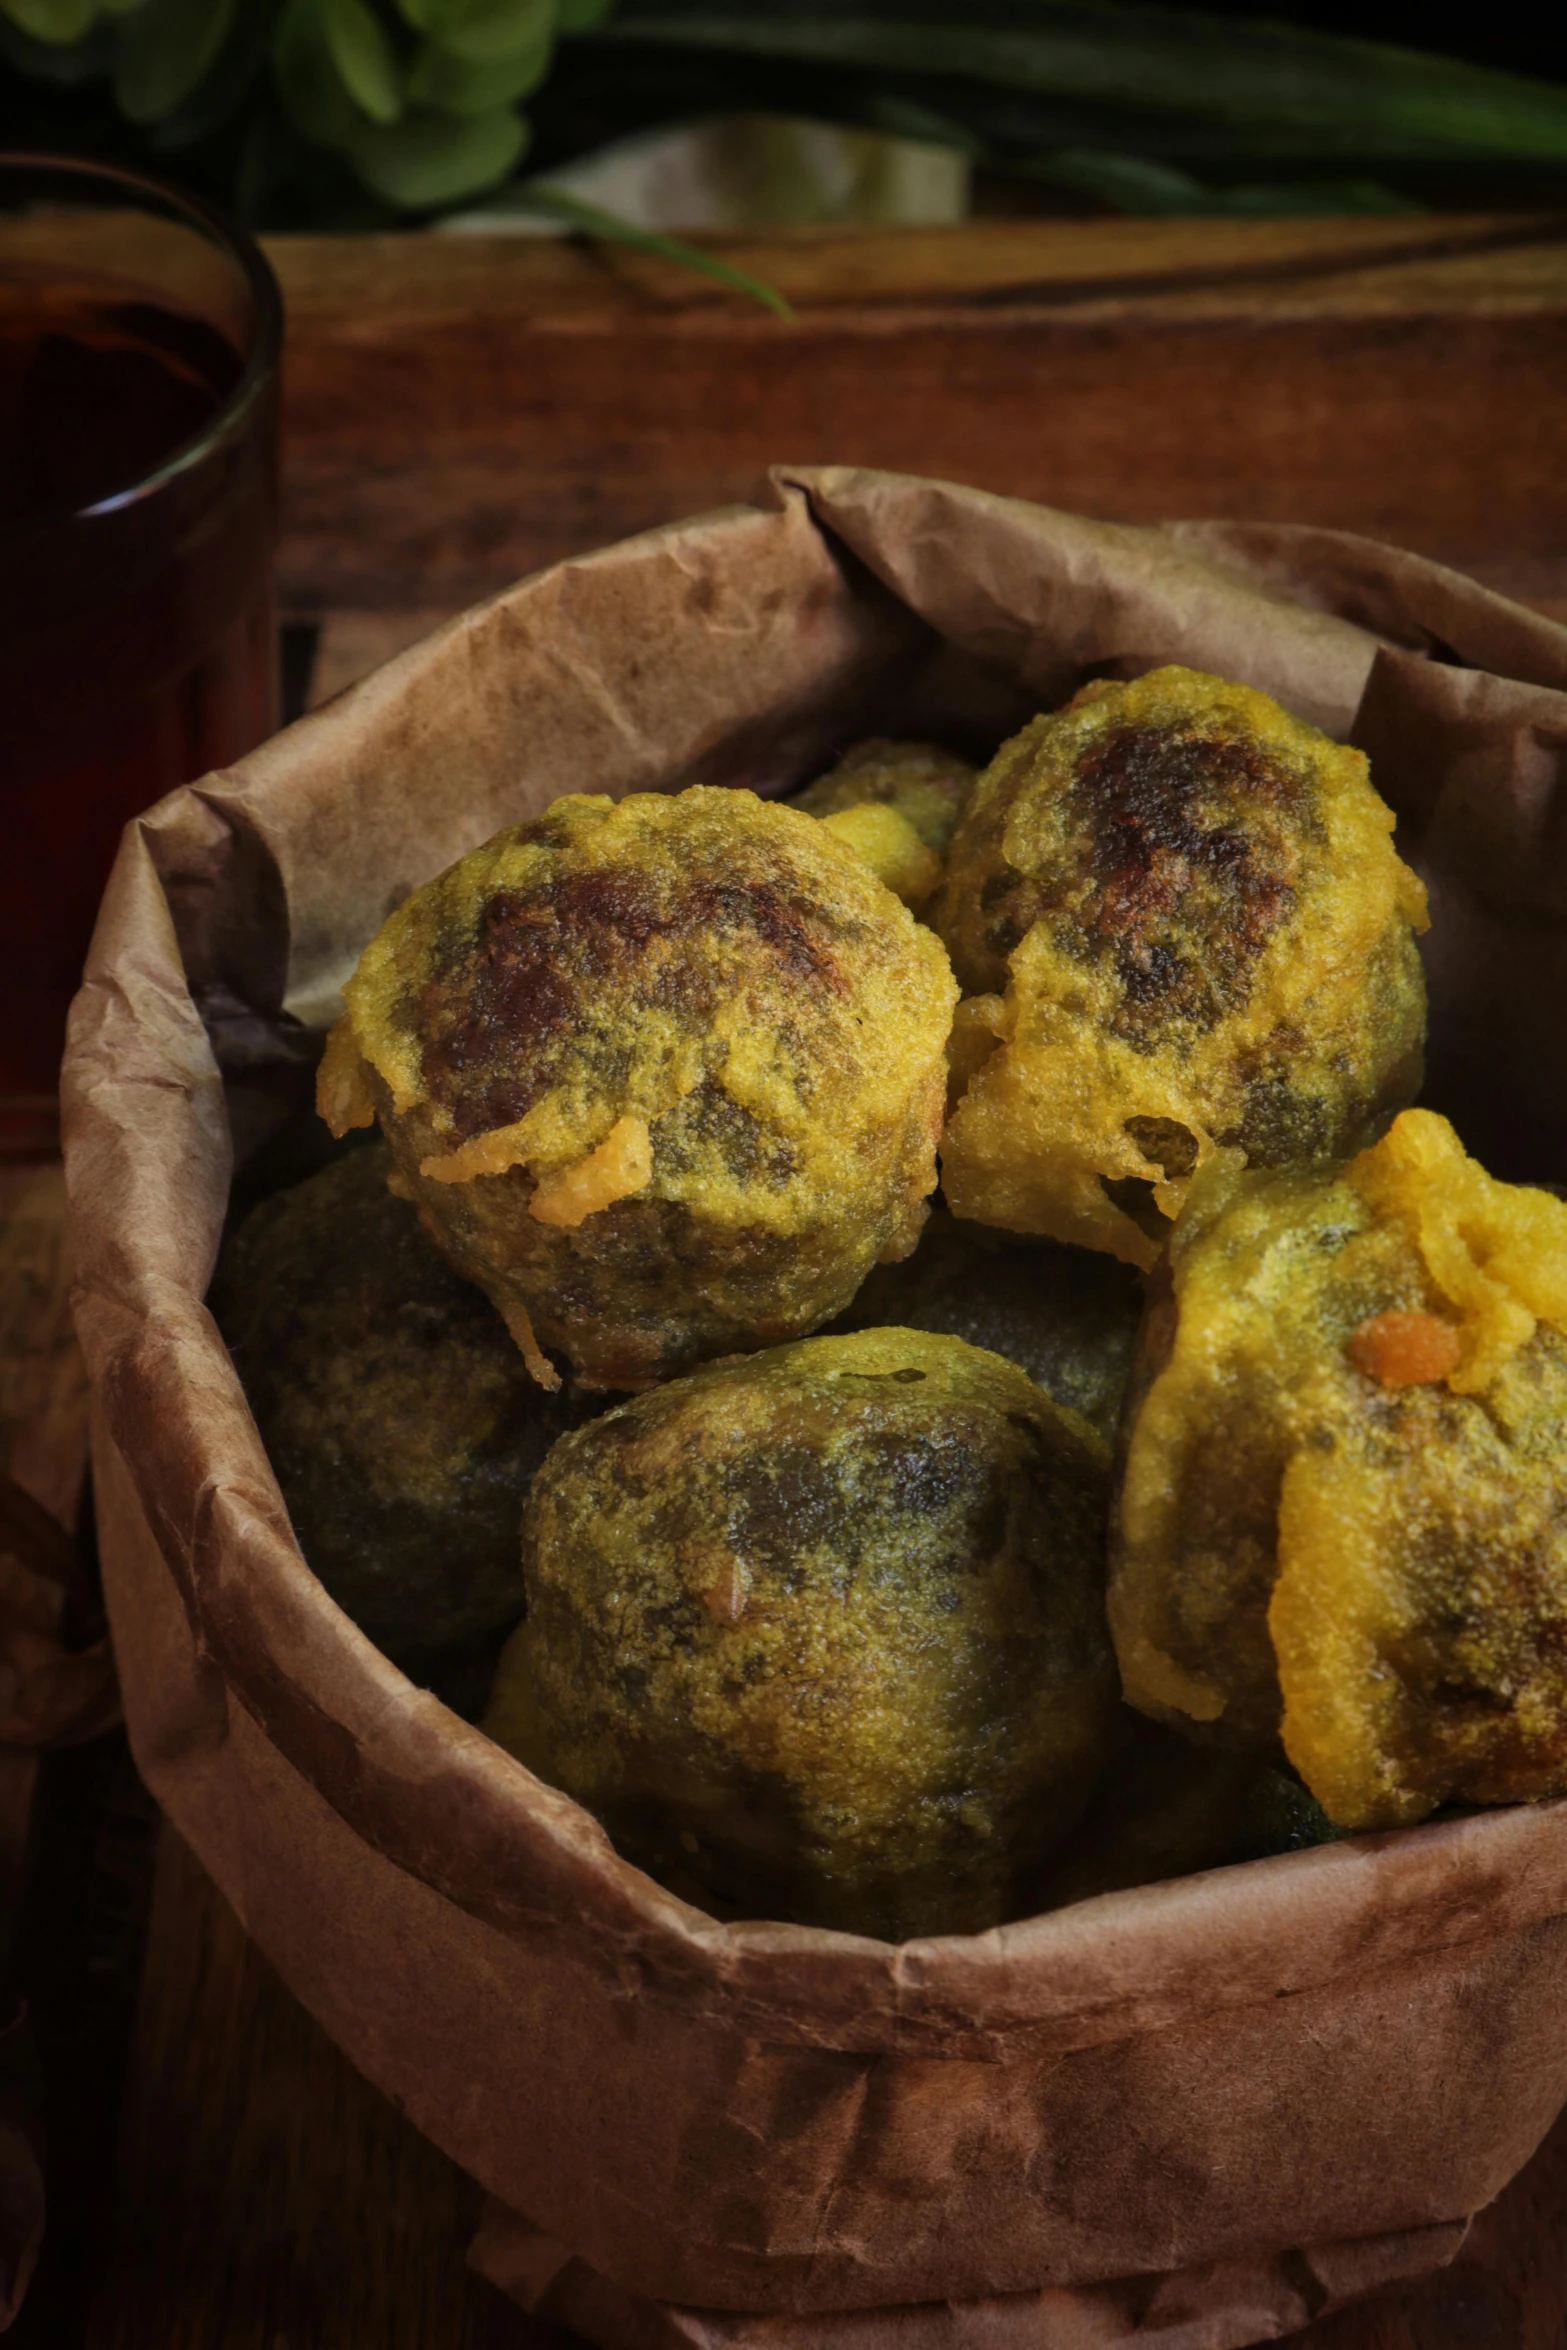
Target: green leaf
64, 64
227, 93
555, 204
901, 117
428, 161
165, 49
415, 13
56, 21
1352, 95
1137, 184
1127, 183
364, 60
1314, 198
580, 16
308, 81
462, 85
482, 29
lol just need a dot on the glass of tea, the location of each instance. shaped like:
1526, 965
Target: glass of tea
139, 338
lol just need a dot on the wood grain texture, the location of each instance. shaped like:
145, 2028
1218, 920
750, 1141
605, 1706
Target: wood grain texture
43, 1385
272, 2200
43, 1434
459, 410
43, 1464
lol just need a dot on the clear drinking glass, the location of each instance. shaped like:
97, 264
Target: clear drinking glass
139, 338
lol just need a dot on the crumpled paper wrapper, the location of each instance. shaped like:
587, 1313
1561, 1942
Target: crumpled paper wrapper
1211, 2097
1223, 2306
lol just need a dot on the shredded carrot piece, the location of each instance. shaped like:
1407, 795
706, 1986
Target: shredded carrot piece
515, 1316
493, 1153
620, 1166
1404, 1349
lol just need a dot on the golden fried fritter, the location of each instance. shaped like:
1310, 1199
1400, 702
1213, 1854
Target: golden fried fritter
664, 1078
926, 785
1181, 925
895, 804
1343, 1505
822, 1630
398, 1415
1067, 1316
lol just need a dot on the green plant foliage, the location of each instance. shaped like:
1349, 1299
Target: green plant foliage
365, 111
166, 48
364, 59
57, 22
308, 80
429, 161
1137, 184
424, 122
1349, 95
461, 85
555, 204
483, 29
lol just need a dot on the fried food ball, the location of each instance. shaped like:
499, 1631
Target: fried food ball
890, 846
1163, 1809
665, 1078
1067, 1316
1342, 1515
1181, 925
926, 786
822, 1630
397, 1414
895, 804
1166, 1808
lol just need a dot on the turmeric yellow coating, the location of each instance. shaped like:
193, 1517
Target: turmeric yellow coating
891, 848
1181, 927
1343, 1508
819, 1633
922, 783
665, 1078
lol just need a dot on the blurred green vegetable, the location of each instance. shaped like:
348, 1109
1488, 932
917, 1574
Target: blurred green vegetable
554, 204
360, 112
1344, 95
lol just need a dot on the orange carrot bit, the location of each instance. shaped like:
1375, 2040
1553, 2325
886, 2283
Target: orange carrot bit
1404, 1349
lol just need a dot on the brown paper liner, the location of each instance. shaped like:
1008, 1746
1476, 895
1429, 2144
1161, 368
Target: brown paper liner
1357, 2042
1225, 2306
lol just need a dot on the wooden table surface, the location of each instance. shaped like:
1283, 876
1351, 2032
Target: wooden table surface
458, 411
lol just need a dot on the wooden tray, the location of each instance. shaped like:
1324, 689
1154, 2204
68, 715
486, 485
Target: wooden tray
460, 410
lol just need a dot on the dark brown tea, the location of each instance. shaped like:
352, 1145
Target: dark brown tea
136, 623
96, 392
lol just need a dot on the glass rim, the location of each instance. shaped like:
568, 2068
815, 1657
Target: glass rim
258, 370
